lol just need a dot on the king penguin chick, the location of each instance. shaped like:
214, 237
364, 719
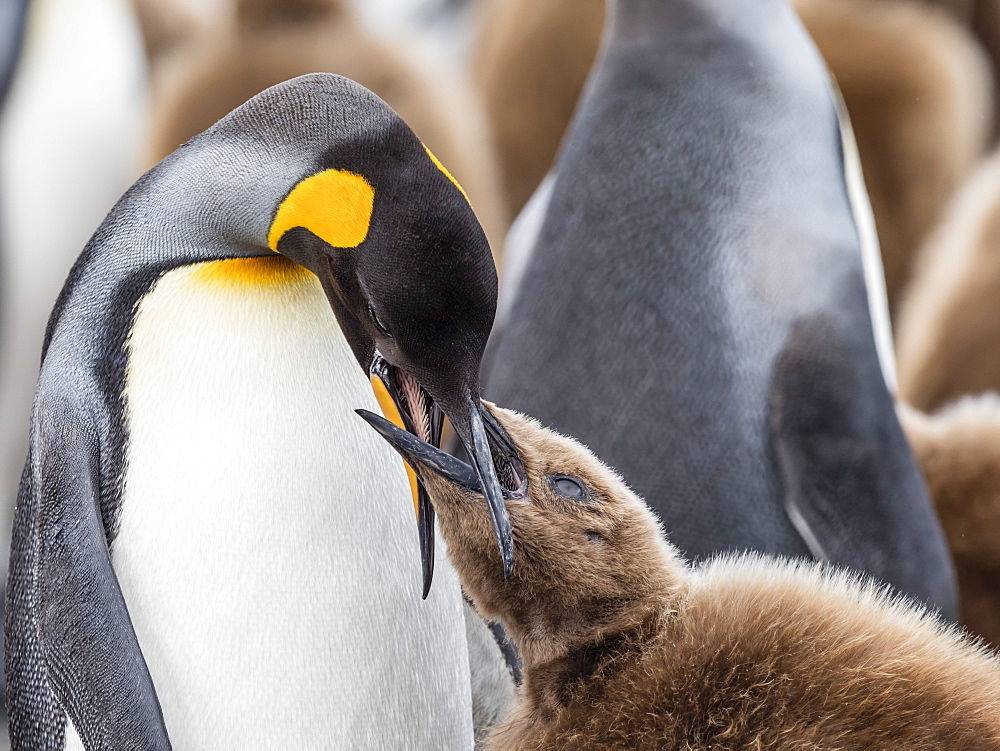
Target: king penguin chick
948, 341
207, 544
959, 453
626, 646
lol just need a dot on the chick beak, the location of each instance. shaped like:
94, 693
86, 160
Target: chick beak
475, 430
487, 444
473, 435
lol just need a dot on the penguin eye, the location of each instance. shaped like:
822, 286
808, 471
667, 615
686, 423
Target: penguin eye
378, 324
567, 486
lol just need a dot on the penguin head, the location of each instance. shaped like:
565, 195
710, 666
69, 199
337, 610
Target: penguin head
589, 553
408, 272
401, 256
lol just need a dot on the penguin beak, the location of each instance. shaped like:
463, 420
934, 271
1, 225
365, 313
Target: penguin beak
409, 407
483, 438
419, 454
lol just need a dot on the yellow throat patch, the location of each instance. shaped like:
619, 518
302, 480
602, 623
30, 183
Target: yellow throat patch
249, 272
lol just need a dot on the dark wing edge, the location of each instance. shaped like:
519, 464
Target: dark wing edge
70, 648
851, 483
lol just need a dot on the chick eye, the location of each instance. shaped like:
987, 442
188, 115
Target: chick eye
567, 486
378, 324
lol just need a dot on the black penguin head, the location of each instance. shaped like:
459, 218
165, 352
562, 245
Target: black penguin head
400, 253
409, 274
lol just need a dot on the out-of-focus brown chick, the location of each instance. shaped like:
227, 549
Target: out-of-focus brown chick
959, 454
253, 44
948, 332
531, 61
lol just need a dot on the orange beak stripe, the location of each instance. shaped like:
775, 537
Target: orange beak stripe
391, 413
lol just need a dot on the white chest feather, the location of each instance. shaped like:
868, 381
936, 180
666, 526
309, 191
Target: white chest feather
267, 547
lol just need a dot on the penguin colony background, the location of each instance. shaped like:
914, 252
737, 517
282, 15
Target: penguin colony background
210, 549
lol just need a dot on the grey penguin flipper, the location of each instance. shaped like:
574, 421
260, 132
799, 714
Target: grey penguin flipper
829, 435
77, 652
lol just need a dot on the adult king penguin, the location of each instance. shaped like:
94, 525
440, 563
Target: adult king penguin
206, 541
694, 307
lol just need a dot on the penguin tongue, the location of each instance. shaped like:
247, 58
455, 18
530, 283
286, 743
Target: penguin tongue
416, 405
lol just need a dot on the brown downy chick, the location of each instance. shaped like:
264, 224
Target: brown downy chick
626, 646
959, 453
949, 326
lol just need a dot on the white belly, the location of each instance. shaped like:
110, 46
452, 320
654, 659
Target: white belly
267, 547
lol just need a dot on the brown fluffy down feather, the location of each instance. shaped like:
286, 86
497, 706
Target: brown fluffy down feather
626, 646
916, 85
959, 454
166, 26
983, 18
258, 43
531, 60
948, 335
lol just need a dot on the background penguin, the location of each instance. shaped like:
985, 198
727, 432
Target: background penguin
695, 307
919, 91
203, 526
79, 57
625, 646
12, 17
59, 176
915, 82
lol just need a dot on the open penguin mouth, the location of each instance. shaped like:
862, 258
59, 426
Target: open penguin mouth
405, 402
408, 399
421, 415
509, 467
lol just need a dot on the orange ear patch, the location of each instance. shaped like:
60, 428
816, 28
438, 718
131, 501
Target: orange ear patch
335, 205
